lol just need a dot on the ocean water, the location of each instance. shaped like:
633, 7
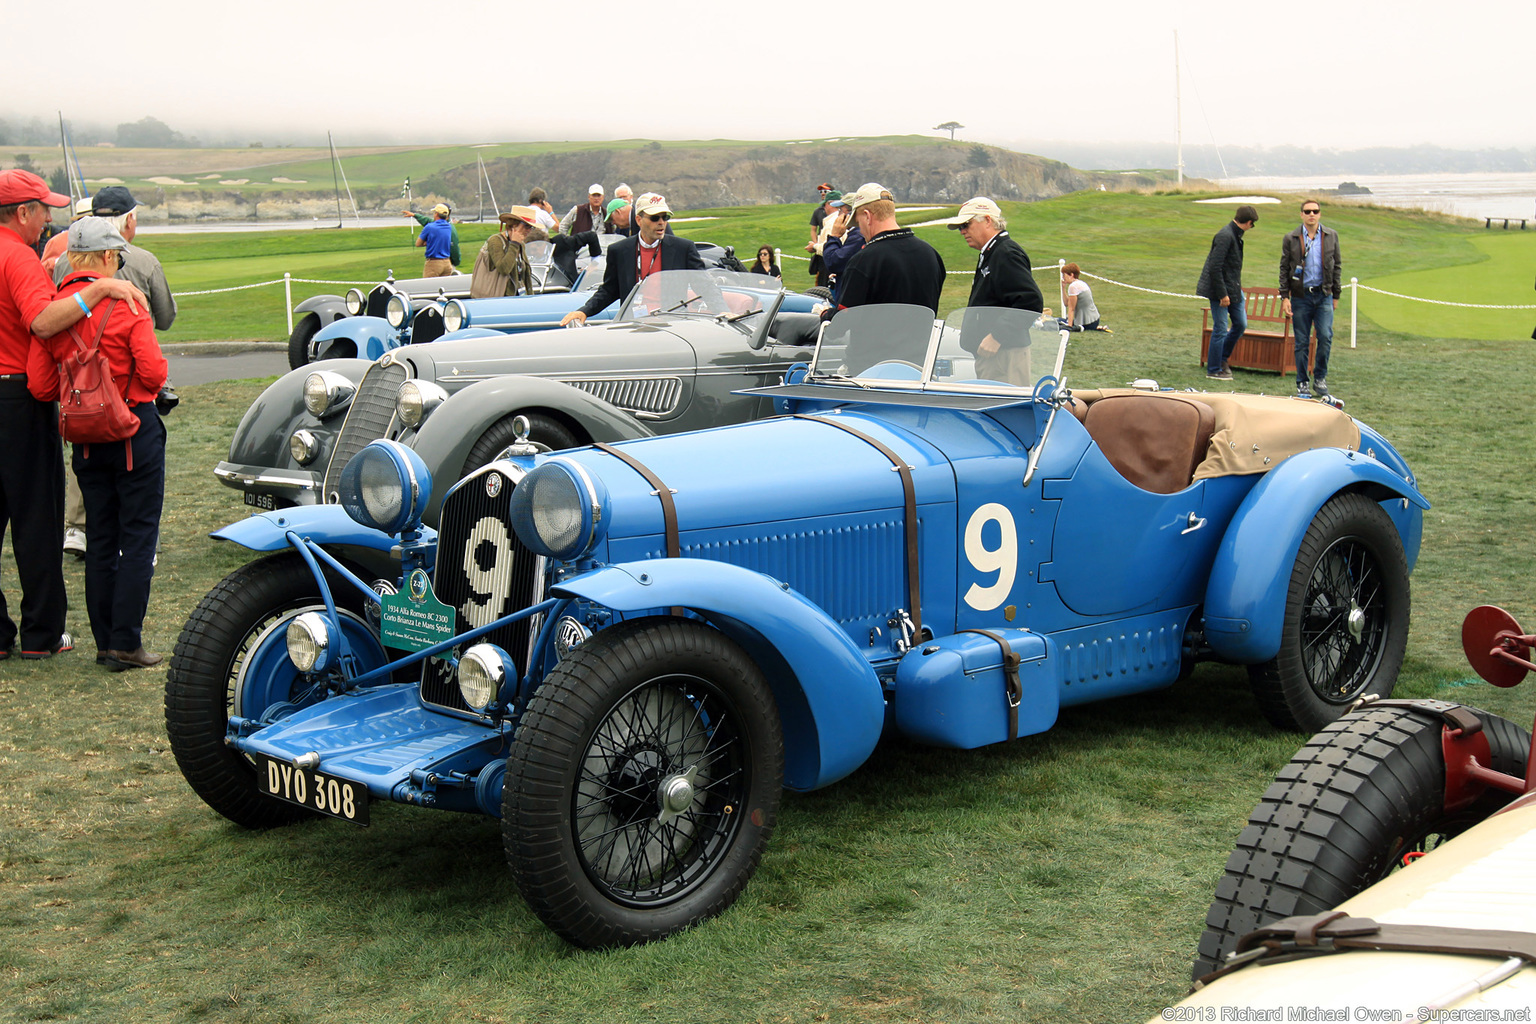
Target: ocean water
1462, 195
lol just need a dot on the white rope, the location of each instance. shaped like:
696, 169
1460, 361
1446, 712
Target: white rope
1138, 288
264, 284
1437, 302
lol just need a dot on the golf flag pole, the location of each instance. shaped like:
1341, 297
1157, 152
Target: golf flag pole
405, 190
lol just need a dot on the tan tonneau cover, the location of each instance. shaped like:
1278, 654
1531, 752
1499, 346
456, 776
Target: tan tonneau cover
1255, 433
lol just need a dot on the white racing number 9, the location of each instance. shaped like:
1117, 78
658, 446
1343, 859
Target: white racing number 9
1003, 559
489, 586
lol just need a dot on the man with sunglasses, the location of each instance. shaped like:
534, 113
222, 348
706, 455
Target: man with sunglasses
632, 260
31, 462
1310, 274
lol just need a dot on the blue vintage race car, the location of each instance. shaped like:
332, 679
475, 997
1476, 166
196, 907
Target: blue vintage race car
626, 651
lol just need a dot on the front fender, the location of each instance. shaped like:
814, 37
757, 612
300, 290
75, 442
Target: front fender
446, 437
1245, 596
328, 525
372, 336
329, 307
829, 699
261, 439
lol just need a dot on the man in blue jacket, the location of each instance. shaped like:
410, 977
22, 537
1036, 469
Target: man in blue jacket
1221, 282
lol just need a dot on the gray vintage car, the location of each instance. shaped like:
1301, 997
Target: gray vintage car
683, 343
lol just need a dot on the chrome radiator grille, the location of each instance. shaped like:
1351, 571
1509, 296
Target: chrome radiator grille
369, 418
483, 573
657, 396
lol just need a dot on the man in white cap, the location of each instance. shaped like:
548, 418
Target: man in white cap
587, 217
140, 267
632, 260
1003, 279
894, 265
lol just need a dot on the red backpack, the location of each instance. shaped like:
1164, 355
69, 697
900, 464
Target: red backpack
91, 409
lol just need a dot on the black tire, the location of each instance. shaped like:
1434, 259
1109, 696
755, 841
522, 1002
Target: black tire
298, 342
230, 659
818, 292
1340, 816
542, 429
621, 717
1346, 618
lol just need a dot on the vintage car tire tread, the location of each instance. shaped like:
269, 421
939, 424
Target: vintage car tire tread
1340, 814
298, 342
819, 292
542, 429
552, 738
1280, 685
196, 682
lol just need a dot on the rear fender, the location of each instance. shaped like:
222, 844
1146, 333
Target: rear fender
830, 701
445, 439
1245, 597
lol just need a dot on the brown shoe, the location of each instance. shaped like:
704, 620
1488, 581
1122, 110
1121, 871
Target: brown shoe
119, 661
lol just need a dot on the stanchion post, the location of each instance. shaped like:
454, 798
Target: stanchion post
288, 299
1354, 309
1061, 287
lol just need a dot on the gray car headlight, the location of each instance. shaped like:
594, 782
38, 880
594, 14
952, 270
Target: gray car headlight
309, 642
560, 510
355, 301
454, 315
303, 446
386, 487
397, 310
327, 392
415, 401
482, 671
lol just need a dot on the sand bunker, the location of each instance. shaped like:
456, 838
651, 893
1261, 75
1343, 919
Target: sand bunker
289, 181
165, 181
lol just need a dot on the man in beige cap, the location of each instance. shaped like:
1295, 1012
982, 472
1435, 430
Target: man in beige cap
894, 265
1000, 342
587, 217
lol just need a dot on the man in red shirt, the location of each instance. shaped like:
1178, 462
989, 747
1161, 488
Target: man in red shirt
31, 460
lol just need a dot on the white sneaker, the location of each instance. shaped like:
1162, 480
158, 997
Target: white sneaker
74, 542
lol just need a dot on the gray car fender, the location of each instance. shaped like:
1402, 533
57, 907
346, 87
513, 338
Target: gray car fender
330, 307
445, 439
261, 439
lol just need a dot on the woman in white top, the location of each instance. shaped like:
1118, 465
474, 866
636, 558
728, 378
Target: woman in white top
1082, 314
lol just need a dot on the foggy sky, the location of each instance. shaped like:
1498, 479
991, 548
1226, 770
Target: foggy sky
1356, 74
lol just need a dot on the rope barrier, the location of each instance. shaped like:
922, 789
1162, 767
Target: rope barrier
1438, 302
265, 284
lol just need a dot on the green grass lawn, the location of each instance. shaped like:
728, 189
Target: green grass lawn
1064, 877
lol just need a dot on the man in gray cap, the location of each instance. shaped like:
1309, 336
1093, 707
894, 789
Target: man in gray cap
140, 267
1003, 281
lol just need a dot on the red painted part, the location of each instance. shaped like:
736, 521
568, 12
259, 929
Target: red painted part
1495, 647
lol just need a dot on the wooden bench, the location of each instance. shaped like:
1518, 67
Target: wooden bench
1258, 349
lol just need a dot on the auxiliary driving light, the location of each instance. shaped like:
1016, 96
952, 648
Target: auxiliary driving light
309, 642
482, 671
386, 487
303, 446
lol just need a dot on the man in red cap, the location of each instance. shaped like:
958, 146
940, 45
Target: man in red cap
31, 459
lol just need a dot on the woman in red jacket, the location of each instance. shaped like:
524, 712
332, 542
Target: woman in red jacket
123, 483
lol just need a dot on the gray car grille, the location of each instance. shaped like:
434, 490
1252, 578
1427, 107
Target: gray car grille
653, 396
483, 573
370, 417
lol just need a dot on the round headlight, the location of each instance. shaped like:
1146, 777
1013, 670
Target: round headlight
415, 401
397, 310
454, 315
385, 487
309, 642
559, 510
355, 301
303, 446
482, 670
327, 392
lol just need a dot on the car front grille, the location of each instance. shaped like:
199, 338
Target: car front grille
378, 299
652, 396
369, 418
483, 573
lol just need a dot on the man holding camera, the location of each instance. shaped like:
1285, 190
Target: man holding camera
1310, 272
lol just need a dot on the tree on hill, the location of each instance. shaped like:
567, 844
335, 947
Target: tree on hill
949, 126
150, 133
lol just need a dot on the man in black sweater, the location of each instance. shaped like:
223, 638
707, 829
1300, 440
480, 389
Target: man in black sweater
1005, 301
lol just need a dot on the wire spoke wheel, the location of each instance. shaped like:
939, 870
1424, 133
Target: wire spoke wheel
1343, 627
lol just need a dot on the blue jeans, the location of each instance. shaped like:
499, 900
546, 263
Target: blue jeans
1309, 311
1223, 339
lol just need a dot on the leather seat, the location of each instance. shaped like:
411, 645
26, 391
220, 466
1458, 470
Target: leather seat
1155, 441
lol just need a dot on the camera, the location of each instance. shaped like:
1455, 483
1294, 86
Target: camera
167, 400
